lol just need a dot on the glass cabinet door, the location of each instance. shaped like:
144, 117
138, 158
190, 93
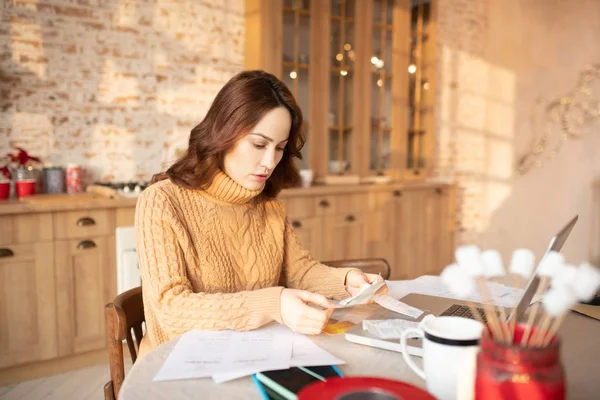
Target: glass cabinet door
341, 86
296, 61
382, 72
420, 73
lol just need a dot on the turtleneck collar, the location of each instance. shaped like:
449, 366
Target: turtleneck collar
226, 189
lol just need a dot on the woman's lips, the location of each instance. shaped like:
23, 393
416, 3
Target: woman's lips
260, 178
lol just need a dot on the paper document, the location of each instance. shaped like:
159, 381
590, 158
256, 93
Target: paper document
388, 328
501, 295
304, 353
227, 355
201, 354
392, 304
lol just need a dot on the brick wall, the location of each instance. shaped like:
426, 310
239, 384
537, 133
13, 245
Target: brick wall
113, 85
498, 61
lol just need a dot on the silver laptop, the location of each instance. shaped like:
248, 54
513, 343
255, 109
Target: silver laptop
445, 306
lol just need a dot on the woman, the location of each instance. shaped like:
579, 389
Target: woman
215, 249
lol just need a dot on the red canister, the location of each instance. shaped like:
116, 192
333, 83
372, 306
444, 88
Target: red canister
73, 178
512, 371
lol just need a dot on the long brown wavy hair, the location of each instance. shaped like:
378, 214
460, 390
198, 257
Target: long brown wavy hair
238, 107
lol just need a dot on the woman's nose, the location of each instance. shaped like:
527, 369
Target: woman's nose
268, 160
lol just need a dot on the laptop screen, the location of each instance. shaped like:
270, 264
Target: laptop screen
556, 244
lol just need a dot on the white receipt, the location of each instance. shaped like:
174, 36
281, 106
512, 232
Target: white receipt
392, 304
388, 328
366, 292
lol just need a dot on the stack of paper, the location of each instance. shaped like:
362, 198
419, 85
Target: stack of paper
227, 355
501, 295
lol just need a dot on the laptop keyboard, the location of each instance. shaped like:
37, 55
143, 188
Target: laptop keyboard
459, 310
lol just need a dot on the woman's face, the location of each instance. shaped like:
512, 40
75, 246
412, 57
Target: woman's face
254, 157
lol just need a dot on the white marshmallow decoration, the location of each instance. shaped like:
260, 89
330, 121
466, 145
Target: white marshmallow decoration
586, 282
550, 264
521, 262
492, 263
558, 299
469, 258
458, 281
564, 275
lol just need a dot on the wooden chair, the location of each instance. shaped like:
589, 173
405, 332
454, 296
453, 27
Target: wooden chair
367, 265
123, 316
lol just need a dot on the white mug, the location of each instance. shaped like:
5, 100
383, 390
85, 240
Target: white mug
306, 177
450, 346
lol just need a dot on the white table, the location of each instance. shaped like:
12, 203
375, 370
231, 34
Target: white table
580, 355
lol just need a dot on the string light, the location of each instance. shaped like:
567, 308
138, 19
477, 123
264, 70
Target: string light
412, 69
293, 74
343, 72
339, 57
568, 117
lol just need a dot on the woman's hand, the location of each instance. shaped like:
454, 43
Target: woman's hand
356, 278
299, 316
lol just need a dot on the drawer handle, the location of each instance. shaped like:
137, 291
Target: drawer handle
6, 253
296, 224
86, 244
397, 193
85, 221
350, 218
324, 203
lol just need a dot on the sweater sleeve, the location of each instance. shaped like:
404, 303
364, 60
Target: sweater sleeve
161, 240
301, 271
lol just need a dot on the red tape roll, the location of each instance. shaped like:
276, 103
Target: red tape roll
373, 388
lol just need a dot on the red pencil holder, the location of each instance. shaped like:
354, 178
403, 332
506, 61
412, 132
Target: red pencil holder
25, 187
511, 371
4, 190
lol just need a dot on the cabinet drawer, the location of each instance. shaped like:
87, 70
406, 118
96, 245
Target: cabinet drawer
81, 224
341, 204
25, 228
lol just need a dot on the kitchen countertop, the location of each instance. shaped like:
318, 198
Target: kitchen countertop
87, 201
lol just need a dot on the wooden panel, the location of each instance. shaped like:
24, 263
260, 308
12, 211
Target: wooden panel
344, 236
300, 207
28, 305
25, 228
264, 26
319, 87
124, 217
400, 60
85, 279
85, 223
362, 87
309, 233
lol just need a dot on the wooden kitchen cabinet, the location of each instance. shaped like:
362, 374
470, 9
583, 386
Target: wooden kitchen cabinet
363, 73
344, 236
27, 303
309, 232
423, 239
85, 282
57, 262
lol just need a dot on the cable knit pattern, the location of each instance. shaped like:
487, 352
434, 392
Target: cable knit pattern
219, 258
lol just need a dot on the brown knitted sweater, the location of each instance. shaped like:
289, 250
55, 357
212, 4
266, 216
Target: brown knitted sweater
218, 259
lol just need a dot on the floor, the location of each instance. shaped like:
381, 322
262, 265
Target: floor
80, 384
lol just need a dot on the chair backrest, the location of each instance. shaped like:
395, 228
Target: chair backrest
367, 265
124, 316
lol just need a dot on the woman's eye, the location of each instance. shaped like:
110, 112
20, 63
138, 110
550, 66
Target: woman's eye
280, 148
259, 146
